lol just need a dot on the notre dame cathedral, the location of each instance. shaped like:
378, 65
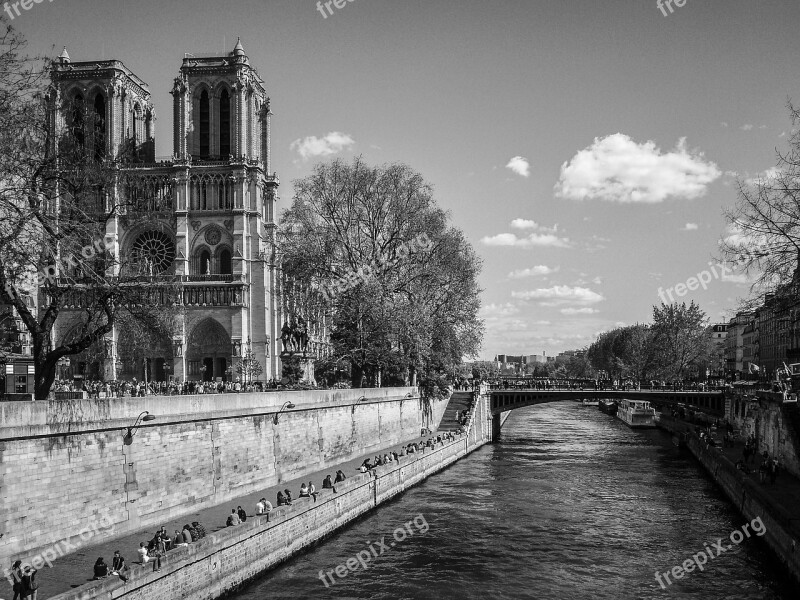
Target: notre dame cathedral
204, 216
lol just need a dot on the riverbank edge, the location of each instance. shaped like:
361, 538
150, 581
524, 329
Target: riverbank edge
750, 501
226, 560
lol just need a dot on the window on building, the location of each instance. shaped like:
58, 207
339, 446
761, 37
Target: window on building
99, 127
205, 125
225, 262
224, 124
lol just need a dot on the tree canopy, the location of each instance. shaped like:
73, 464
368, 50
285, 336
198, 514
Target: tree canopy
399, 280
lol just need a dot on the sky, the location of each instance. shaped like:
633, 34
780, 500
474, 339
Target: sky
587, 149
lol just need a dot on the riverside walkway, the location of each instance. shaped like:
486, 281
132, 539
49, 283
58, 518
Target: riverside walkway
76, 569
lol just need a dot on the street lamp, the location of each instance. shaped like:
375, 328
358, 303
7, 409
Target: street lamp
127, 439
286, 405
357, 403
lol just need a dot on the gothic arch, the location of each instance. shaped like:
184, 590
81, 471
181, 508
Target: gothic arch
208, 350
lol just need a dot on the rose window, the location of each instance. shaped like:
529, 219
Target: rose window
153, 252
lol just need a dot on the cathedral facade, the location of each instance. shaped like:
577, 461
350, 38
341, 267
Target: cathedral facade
203, 218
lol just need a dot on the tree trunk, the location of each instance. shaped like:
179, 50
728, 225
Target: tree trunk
44, 377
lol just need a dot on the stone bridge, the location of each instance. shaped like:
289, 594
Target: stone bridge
712, 403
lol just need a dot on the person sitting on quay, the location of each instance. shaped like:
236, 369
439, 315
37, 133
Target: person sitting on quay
327, 483
260, 507
187, 534
403, 451
118, 566
100, 569
288, 496
242, 514
282, 499
304, 491
177, 541
233, 519
312, 490
387, 459
340, 476
395, 456
146, 557
162, 533
193, 532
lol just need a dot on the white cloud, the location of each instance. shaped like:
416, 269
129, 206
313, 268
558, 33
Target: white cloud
579, 311
782, 135
530, 241
762, 127
314, 147
529, 224
746, 127
617, 169
494, 311
520, 166
560, 294
764, 177
690, 227
724, 124
537, 271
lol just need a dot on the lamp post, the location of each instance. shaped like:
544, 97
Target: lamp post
286, 405
357, 402
127, 439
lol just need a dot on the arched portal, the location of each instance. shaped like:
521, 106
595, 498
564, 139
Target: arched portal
208, 352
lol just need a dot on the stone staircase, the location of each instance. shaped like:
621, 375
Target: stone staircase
459, 402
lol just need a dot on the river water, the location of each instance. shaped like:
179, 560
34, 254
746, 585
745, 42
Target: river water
570, 504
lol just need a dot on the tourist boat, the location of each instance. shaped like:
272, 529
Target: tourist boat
609, 407
590, 402
636, 413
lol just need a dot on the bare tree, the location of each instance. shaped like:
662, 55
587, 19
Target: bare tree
55, 203
764, 226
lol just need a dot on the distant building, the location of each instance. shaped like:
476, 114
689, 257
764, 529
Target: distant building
734, 344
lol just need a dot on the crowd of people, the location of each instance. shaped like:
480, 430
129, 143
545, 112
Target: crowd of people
134, 388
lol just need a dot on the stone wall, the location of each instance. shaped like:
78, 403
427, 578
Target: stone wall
68, 458
227, 559
766, 416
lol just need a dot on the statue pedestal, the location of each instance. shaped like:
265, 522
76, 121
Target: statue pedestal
307, 365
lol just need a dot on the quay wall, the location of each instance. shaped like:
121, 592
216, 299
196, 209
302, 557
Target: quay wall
783, 530
227, 559
765, 416
64, 466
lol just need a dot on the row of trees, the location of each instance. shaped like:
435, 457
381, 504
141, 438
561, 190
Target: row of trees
668, 348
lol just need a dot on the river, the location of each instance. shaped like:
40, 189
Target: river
570, 504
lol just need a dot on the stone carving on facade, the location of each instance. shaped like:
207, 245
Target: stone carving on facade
196, 225
228, 224
236, 348
213, 235
177, 347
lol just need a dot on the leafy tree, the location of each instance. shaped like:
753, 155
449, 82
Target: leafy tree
680, 335
401, 282
249, 367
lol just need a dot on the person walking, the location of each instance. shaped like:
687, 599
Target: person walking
30, 586
16, 573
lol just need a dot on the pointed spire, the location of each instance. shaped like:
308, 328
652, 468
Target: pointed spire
64, 57
238, 50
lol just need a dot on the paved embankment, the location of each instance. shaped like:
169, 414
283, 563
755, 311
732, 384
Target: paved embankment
230, 556
778, 504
